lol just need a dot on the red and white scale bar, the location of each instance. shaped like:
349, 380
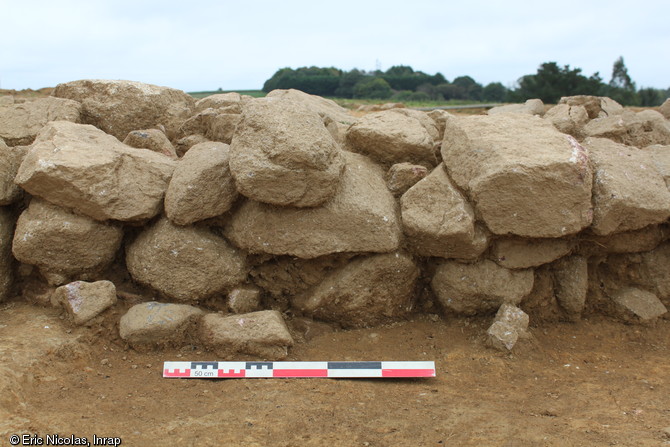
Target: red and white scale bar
231, 370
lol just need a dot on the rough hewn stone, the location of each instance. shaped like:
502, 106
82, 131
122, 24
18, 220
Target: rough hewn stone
84, 301
262, 334
568, 119
362, 217
524, 176
155, 324
152, 139
637, 305
519, 253
184, 263
6, 259
143, 106
510, 324
10, 160
633, 129
438, 221
282, 154
628, 192
530, 107
244, 299
201, 186
20, 123
220, 100
393, 137
62, 244
403, 176
327, 109
481, 287
660, 155
571, 283
596, 106
80, 167
367, 291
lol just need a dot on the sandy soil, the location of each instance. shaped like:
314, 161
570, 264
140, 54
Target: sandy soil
593, 383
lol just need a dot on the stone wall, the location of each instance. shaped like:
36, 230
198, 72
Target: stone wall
235, 223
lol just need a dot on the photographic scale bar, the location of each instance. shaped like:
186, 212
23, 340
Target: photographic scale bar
253, 370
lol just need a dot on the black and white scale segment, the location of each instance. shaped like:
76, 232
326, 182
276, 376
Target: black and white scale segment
231, 370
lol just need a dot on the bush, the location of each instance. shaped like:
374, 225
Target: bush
373, 88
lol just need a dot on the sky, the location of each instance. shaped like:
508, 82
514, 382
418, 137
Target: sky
206, 45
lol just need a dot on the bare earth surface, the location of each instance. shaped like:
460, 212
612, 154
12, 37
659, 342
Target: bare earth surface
593, 383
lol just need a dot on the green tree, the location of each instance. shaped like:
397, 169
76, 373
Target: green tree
347, 82
651, 97
551, 82
620, 76
472, 89
495, 92
373, 88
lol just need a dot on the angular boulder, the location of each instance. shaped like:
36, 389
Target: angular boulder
155, 324
596, 106
20, 123
636, 305
143, 106
482, 287
152, 139
80, 167
62, 244
362, 217
184, 263
263, 334
519, 253
201, 186
523, 175
282, 154
571, 284
367, 291
402, 176
568, 119
214, 124
327, 109
7, 220
10, 160
660, 155
628, 193
221, 100
633, 129
530, 107
438, 221
393, 137
84, 301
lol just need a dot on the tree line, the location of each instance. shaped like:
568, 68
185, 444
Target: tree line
403, 83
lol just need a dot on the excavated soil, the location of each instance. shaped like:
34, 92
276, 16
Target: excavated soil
592, 383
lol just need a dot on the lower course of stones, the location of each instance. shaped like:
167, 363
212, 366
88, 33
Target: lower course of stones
240, 224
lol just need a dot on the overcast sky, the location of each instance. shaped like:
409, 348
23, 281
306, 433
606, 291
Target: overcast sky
206, 45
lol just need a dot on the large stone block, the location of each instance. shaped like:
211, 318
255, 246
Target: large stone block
628, 193
20, 123
362, 217
523, 175
365, 292
201, 186
282, 154
80, 167
519, 253
155, 324
327, 109
438, 220
394, 136
571, 284
62, 244
184, 263
118, 107
482, 287
633, 129
596, 106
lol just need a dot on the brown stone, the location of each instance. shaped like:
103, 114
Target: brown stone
62, 244
184, 263
530, 107
263, 334
568, 119
6, 260
438, 221
201, 186
367, 291
155, 324
20, 123
362, 217
519, 253
282, 154
571, 283
523, 175
596, 106
152, 139
144, 106
402, 176
84, 301
628, 192
80, 167
633, 129
10, 160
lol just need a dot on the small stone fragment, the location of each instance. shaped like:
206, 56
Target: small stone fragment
244, 299
502, 336
152, 139
402, 176
84, 301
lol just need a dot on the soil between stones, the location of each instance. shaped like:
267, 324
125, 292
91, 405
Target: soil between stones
592, 383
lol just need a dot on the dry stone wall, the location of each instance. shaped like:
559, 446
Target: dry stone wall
234, 223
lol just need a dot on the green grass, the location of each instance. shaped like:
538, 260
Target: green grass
254, 93
354, 103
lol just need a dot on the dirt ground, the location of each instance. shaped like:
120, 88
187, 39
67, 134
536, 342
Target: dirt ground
593, 383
